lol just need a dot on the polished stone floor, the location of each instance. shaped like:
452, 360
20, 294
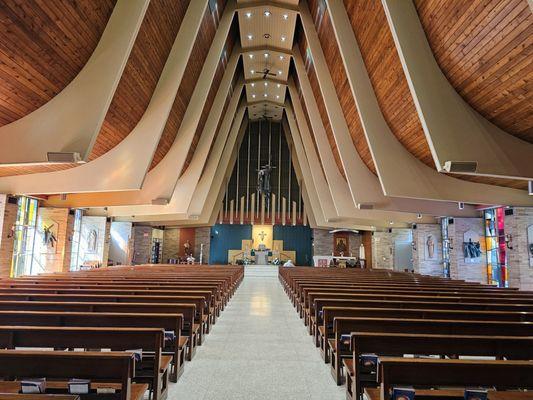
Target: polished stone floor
258, 349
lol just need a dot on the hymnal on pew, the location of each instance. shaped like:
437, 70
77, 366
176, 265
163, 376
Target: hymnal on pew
475, 394
31, 386
403, 394
79, 386
137, 353
368, 363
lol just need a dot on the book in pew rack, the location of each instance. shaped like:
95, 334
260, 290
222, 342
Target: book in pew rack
403, 394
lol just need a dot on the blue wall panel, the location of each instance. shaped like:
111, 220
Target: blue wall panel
226, 237
297, 238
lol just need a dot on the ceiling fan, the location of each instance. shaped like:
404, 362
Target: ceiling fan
265, 72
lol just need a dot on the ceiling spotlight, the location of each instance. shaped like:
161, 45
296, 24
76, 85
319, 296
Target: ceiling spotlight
278, 85
283, 38
250, 37
419, 216
266, 83
277, 96
267, 13
266, 55
252, 71
248, 14
267, 36
285, 16
253, 96
280, 71
265, 95
391, 222
281, 57
253, 84
251, 55
461, 205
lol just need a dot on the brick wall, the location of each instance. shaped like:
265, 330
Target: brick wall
471, 270
171, 244
323, 243
142, 244
422, 262
520, 270
202, 236
8, 215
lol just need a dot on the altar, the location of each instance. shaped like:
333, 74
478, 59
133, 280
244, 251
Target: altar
261, 249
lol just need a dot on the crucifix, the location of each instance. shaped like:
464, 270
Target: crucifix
262, 235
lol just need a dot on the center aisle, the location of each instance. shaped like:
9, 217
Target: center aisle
258, 349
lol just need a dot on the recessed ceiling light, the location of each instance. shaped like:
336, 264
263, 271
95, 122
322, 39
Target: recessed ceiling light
283, 38
252, 71
253, 84
277, 96
281, 57
250, 37
251, 55
248, 14
266, 83
266, 35
265, 95
285, 16
280, 71
267, 13
278, 85
253, 96
266, 55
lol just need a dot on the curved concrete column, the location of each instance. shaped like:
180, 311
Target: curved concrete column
340, 191
401, 174
362, 183
117, 170
70, 122
453, 129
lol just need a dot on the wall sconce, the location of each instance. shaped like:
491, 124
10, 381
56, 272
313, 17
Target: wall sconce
509, 241
413, 245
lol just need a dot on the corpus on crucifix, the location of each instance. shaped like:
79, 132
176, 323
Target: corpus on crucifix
263, 180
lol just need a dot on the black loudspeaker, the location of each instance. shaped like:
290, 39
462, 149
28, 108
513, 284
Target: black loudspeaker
12, 200
414, 226
509, 211
450, 221
390, 230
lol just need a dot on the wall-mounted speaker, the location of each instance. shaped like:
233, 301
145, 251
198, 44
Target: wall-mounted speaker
509, 211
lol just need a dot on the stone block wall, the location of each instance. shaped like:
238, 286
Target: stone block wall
422, 262
171, 244
520, 273
202, 236
461, 268
383, 246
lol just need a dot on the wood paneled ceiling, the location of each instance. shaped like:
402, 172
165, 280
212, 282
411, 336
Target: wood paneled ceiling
485, 49
44, 45
328, 42
309, 67
215, 84
205, 36
390, 84
145, 64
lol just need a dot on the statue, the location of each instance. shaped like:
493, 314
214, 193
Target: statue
187, 248
263, 180
430, 246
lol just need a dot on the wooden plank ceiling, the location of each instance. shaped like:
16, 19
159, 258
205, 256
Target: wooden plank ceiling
390, 84
205, 36
328, 42
145, 64
485, 49
311, 73
44, 45
215, 84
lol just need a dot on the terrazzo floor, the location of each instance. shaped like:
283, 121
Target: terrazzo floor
258, 349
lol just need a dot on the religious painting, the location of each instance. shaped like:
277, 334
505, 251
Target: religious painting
262, 236
341, 246
48, 232
471, 247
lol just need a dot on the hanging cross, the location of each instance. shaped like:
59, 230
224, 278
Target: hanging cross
262, 235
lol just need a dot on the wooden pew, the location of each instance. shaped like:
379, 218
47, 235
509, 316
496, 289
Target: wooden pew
346, 325
330, 313
398, 344
111, 369
20, 396
169, 322
154, 369
505, 375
